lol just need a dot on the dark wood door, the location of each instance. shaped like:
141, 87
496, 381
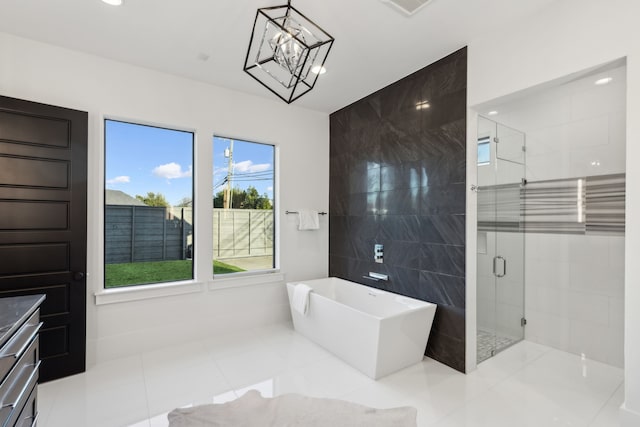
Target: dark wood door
43, 223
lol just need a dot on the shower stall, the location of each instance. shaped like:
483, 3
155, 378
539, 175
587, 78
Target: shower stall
500, 258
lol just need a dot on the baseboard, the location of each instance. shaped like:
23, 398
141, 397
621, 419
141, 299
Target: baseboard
629, 418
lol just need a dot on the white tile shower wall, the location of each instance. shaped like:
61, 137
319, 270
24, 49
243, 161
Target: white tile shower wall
575, 294
577, 129
573, 282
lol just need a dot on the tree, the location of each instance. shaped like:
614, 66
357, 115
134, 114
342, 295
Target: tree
153, 199
185, 202
244, 199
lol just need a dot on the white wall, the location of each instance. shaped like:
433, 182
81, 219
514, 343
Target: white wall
563, 38
48, 74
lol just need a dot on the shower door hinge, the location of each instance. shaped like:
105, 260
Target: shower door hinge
524, 181
524, 148
496, 139
523, 322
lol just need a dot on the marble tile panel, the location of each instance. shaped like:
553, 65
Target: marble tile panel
441, 289
443, 229
446, 349
362, 113
399, 202
443, 199
399, 227
446, 259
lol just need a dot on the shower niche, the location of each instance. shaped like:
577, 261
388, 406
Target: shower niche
500, 258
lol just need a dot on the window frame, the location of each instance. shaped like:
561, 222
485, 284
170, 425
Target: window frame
203, 280
483, 141
134, 289
226, 280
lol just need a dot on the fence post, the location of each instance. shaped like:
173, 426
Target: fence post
133, 233
183, 240
164, 234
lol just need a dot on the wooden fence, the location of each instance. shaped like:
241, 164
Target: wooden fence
145, 233
242, 232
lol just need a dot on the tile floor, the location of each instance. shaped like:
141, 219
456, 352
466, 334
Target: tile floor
526, 385
490, 343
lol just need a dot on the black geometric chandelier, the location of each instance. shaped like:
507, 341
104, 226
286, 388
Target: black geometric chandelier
286, 51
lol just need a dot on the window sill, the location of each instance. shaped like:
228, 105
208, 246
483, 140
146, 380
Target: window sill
142, 292
158, 290
254, 278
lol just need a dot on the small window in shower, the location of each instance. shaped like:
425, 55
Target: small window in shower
484, 151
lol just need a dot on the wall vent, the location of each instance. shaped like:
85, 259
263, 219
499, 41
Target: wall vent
407, 7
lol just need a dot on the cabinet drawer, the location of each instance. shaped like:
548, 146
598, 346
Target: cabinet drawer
16, 387
29, 415
17, 344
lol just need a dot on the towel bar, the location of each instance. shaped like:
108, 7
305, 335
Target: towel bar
294, 212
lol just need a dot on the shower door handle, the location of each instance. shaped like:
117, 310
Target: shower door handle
495, 266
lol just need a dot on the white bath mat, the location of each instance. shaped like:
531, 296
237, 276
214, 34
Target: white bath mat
253, 410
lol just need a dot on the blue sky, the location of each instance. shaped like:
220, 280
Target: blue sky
142, 159
252, 165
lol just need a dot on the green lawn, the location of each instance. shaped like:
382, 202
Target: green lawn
138, 273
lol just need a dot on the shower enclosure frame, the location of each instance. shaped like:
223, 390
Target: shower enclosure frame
501, 239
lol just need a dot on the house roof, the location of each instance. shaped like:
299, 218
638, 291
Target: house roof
117, 197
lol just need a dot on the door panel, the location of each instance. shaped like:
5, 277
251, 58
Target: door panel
500, 275
43, 175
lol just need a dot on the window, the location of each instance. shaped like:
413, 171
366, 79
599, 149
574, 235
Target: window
484, 151
148, 218
243, 206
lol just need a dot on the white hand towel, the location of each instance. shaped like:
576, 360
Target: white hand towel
301, 298
308, 220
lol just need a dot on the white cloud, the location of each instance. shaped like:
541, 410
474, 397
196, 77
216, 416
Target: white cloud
219, 172
172, 171
270, 189
248, 166
119, 180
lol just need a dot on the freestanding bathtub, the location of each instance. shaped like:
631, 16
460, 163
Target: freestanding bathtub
375, 331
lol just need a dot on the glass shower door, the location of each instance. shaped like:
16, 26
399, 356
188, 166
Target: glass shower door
500, 239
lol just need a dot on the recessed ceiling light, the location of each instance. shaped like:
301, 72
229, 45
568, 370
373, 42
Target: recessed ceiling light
114, 2
492, 113
604, 81
318, 69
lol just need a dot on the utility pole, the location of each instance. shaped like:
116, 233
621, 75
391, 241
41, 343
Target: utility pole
228, 195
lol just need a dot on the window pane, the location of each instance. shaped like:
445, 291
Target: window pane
148, 226
484, 151
243, 206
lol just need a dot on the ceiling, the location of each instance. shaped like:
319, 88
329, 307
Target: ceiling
375, 43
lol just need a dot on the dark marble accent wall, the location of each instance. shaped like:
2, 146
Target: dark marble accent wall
398, 178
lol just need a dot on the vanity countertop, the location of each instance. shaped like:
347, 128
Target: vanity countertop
14, 311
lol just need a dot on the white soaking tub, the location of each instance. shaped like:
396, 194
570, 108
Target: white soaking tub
375, 331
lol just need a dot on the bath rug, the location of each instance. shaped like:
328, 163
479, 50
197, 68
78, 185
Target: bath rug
289, 410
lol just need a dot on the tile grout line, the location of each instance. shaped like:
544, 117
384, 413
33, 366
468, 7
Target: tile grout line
516, 371
606, 402
491, 388
232, 389
146, 389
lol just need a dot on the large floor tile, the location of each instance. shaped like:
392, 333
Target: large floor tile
82, 402
526, 385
